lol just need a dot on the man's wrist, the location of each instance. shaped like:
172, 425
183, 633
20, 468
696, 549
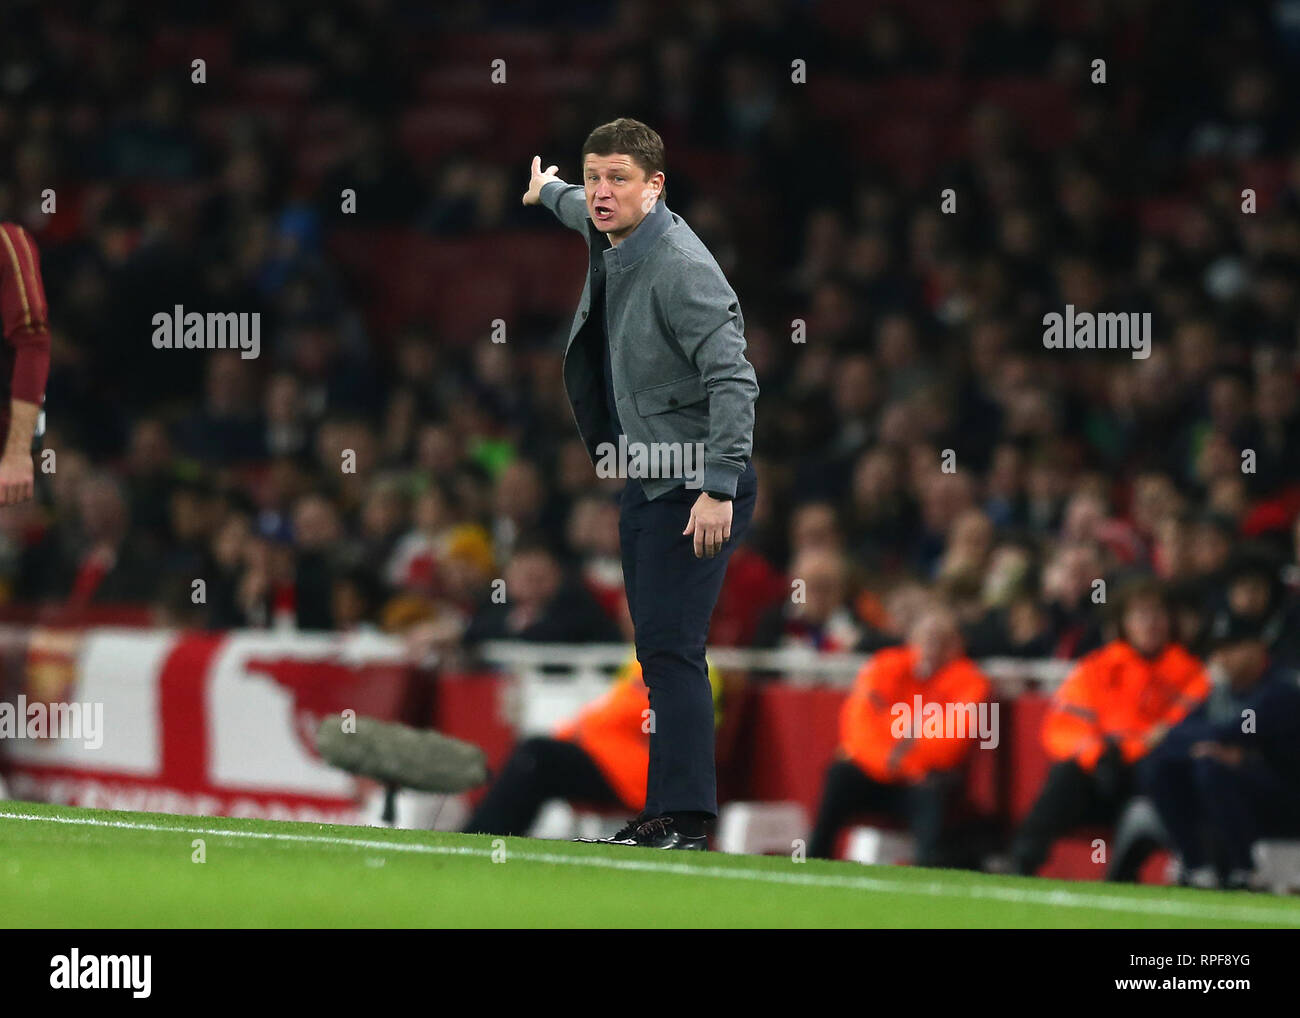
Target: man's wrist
23, 417
542, 190
719, 496
16, 448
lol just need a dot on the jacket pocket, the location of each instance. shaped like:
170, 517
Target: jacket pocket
674, 395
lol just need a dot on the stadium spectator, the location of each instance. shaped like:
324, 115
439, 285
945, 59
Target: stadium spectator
885, 768
593, 538
1070, 592
317, 531
881, 517
1114, 708
1253, 592
541, 603
227, 557
224, 429
1229, 773
520, 504
101, 561
818, 613
416, 560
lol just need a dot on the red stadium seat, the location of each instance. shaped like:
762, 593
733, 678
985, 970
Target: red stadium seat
462, 80
1029, 762
556, 290
520, 48
1267, 176
793, 734
312, 160
986, 770
704, 164
185, 197
590, 49
280, 84
318, 121
1163, 216
554, 82
842, 16
1072, 857
171, 47
901, 142
404, 274
737, 696
838, 98
947, 26
1043, 109
931, 95
473, 707
432, 131
470, 300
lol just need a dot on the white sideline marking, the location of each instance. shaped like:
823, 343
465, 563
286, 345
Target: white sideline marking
934, 889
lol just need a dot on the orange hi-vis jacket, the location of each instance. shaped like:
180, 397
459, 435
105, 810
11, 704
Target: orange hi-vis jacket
615, 732
1115, 694
893, 744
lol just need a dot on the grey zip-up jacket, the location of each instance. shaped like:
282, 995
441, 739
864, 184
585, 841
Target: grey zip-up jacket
676, 345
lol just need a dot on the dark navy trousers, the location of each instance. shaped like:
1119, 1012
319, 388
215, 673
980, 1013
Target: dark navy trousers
671, 595
1215, 813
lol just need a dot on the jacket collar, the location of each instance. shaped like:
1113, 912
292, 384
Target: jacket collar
642, 239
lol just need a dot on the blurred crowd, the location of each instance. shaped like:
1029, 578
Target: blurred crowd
916, 438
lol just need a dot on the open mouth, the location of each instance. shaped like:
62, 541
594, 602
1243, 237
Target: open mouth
603, 213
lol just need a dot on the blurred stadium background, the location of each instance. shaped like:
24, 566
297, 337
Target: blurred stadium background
367, 590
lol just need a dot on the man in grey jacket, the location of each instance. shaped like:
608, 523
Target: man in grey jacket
662, 395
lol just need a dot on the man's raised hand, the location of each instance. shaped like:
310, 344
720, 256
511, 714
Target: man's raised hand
540, 177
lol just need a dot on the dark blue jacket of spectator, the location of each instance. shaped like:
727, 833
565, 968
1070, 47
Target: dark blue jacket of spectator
1273, 735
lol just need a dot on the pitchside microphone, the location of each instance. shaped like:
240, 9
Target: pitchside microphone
401, 755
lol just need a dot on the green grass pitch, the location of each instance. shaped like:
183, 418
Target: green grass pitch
81, 868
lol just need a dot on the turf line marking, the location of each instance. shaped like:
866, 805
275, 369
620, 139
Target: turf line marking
935, 889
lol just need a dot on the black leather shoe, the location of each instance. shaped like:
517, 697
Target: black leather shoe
660, 833
625, 836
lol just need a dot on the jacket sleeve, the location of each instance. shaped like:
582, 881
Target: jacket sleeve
1277, 718
1071, 730
862, 717
1183, 690
568, 202
703, 315
25, 313
1192, 691
1192, 729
